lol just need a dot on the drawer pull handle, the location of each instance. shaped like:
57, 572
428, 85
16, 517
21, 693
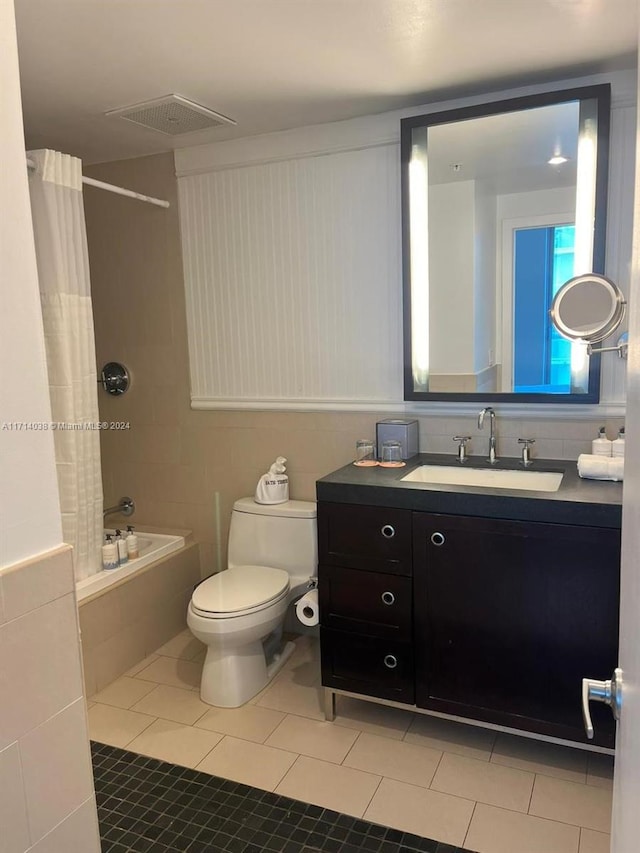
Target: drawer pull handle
387, 531
390, 661
437, 539
388, 598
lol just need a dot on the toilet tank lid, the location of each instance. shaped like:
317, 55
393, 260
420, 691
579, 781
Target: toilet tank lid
288, 509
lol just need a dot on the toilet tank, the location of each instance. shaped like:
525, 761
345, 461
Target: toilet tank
282, 536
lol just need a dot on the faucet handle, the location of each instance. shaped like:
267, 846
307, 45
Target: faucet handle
462, 446
526, 450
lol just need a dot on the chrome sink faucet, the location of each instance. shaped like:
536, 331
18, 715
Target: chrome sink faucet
492, 436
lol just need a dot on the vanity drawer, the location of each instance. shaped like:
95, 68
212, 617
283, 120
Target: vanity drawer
368, 665
373, 538
365, 602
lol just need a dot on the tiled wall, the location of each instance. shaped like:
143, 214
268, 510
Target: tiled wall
122, 625
180, 464
47, 801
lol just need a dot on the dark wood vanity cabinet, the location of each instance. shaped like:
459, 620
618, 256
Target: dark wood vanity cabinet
366, 600
510, 616
480, 618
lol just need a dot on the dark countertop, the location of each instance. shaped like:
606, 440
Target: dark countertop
592, 503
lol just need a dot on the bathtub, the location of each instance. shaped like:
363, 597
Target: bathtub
151, 547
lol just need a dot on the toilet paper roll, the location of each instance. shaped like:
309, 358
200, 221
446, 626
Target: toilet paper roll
307, 609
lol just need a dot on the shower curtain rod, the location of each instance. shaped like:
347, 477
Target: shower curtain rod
159, 202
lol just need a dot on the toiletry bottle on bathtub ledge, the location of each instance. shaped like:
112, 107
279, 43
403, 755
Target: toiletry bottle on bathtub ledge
132, 543
122, 548
109, 554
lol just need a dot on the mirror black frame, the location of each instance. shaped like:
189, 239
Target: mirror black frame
602, 95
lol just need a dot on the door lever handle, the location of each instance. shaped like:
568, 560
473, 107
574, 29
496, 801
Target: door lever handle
609, 692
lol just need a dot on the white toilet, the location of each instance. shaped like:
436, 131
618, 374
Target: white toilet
239, 613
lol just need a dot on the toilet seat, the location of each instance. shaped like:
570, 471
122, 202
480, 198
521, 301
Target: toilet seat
239, 591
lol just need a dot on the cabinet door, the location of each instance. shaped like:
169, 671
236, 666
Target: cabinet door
510, 616
365, 537
365, 602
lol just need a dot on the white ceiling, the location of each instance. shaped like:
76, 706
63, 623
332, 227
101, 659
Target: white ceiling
277, 64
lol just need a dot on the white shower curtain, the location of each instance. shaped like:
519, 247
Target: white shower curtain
63, 271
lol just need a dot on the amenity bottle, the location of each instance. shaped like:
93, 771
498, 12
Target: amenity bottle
132, 543
601, 446
109, 554
122, 548
617, 446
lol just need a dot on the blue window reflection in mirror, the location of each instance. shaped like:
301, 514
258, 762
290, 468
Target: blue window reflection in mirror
543, 261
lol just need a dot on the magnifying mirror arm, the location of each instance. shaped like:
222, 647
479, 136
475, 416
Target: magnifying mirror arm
622, 347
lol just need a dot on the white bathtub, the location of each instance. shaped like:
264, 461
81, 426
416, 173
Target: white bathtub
151, 547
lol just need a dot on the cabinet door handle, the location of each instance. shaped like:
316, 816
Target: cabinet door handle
437, 539
387, 531
388, 598
390, 661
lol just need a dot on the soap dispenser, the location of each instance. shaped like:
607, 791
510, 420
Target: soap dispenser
617, 446
601, 446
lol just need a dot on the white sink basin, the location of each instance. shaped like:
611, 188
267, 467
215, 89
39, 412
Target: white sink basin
491, 478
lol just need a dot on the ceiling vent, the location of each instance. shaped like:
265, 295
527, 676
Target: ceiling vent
172, 115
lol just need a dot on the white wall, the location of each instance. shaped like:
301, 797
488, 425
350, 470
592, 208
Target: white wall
29, 508
47, 801
451, 274
485, 282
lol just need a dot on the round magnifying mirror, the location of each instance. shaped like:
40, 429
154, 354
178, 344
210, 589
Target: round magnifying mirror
588, 308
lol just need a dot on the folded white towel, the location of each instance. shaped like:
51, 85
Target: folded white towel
593, 467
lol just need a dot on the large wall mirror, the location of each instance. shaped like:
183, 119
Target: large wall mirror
501, 204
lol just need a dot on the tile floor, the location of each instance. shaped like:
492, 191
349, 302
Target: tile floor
149, 806
458, 784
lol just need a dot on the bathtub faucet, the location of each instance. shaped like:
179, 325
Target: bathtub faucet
126, 506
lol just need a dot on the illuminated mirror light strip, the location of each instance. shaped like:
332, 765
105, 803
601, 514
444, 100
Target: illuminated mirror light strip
585, 224
419, 223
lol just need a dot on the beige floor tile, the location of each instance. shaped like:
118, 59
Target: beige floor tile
172, 671
581, 805
420, 811
184, 646
313, 738
600, 770
293, 698
594, 842
116, 726
250, 763
248, 722
525, 753
405, 762
371, 717
496, 830
449, 736
329, 785
485, 782
172, 703
169, 741
141, 665
123, 693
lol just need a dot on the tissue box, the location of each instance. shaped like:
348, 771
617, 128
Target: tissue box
406, 432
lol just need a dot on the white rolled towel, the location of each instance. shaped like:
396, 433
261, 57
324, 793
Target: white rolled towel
592, 467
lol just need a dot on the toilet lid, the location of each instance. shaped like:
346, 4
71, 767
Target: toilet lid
240, 588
